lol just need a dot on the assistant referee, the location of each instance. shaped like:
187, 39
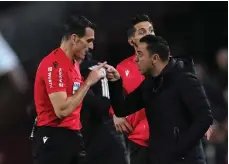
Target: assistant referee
58, 94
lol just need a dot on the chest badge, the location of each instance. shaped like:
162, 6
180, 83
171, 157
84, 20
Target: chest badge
75, 87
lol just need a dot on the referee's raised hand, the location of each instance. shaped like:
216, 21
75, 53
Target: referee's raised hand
96, 74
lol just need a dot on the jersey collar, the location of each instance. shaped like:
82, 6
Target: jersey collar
63, 57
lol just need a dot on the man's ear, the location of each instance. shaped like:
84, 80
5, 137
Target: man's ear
74, 38
131, 42
154, 58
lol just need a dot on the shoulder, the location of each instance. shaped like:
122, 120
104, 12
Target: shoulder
125, 66
124, 63
186, 79
50, 63
186, 76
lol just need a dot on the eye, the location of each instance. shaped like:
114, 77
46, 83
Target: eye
139, 54
151, 30
90, 40
142, 32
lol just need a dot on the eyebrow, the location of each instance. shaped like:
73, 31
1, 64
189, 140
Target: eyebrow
135, 44
141, 29
139, 51
90, 40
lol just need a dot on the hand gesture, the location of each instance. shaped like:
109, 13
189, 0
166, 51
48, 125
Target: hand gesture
112, 73
96, 74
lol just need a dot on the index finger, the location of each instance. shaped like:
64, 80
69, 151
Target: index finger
101, 65
109, 68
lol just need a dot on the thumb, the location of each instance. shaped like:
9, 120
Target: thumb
208, 136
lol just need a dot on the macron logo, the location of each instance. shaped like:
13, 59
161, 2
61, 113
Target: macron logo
127, 72
45, 139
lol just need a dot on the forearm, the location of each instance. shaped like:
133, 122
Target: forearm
123, 106
74, 101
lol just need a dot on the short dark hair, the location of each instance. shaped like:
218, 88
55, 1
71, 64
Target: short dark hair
135, 20
157, 45
76, 24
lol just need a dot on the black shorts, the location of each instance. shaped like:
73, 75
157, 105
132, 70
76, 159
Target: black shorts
58, 146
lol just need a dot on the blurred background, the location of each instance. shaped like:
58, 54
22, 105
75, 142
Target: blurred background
30, 30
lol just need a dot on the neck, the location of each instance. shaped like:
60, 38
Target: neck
67, 49
158, 68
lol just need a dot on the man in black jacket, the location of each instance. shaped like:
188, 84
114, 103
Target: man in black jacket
176, 105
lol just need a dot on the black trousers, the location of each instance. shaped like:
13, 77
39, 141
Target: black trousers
58, 146
138, 154
104, 144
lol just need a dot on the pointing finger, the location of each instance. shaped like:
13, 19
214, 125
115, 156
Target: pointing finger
101, 65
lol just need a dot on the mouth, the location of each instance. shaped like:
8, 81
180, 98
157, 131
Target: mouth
83, 56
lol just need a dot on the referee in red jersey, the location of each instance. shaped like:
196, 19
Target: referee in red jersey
58, 94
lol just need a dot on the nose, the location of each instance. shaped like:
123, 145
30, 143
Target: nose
91, 45
150, 33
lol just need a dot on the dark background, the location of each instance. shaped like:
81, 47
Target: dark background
32, 29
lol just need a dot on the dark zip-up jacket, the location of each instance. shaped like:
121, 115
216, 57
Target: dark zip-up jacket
177, 110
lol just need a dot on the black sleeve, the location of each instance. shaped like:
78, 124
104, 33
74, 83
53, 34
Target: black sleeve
195, 99
99, 104
125, 105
